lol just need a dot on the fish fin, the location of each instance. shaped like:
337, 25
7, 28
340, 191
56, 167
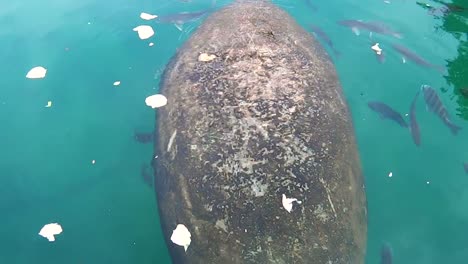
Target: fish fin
440, 69
356, 31
178, 26
455, 129
398, 35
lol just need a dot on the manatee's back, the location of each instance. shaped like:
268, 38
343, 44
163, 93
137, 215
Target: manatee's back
266, 117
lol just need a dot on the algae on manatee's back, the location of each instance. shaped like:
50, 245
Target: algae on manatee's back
265, 117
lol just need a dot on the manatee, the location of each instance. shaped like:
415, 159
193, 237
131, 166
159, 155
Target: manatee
264, 116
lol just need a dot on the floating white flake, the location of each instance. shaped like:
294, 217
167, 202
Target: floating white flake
288, 203
151, 44
147, 16
38, 72
116, 83
181, 236
156, 100
49, 104
50, 230
377, 49
144, 31
390, 174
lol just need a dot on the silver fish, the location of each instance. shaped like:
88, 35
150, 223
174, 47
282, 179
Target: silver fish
414, 127
386, 111
416, 58
386, 254
376, 27
435, 105
324, 36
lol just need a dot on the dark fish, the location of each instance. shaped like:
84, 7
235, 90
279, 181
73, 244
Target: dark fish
324, 36
386, 254
414, 127
416, 58
311, 5
147, 175
144, 137
465, 166
435, 105
376, 27
386, 111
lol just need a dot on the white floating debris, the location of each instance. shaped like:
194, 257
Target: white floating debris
427, 182
151, 44
156, 100
38, 72
377, 49
93, 161
403, 59
144, 32
205, 57
49, 104
50, 230
288, 203
89, 23
390, 174
147, 16
116, 83
386, 1
181, 236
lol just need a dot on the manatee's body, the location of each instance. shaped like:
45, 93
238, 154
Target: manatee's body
265, 118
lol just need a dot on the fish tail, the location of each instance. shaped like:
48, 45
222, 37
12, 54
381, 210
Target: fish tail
455, 129
337, 53
440, 69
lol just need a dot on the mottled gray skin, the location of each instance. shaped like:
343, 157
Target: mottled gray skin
266, 117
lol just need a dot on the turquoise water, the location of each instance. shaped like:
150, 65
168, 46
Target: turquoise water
108, 213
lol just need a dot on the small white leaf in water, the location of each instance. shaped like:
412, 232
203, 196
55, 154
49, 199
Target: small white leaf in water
181, 236
49, 104
116, 83
144, 31
390, 174
147, 16
288, 203
156, 100
50, 230
377, 49
151, 44
36, 73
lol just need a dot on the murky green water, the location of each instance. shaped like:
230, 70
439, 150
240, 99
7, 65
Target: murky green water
109, 214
